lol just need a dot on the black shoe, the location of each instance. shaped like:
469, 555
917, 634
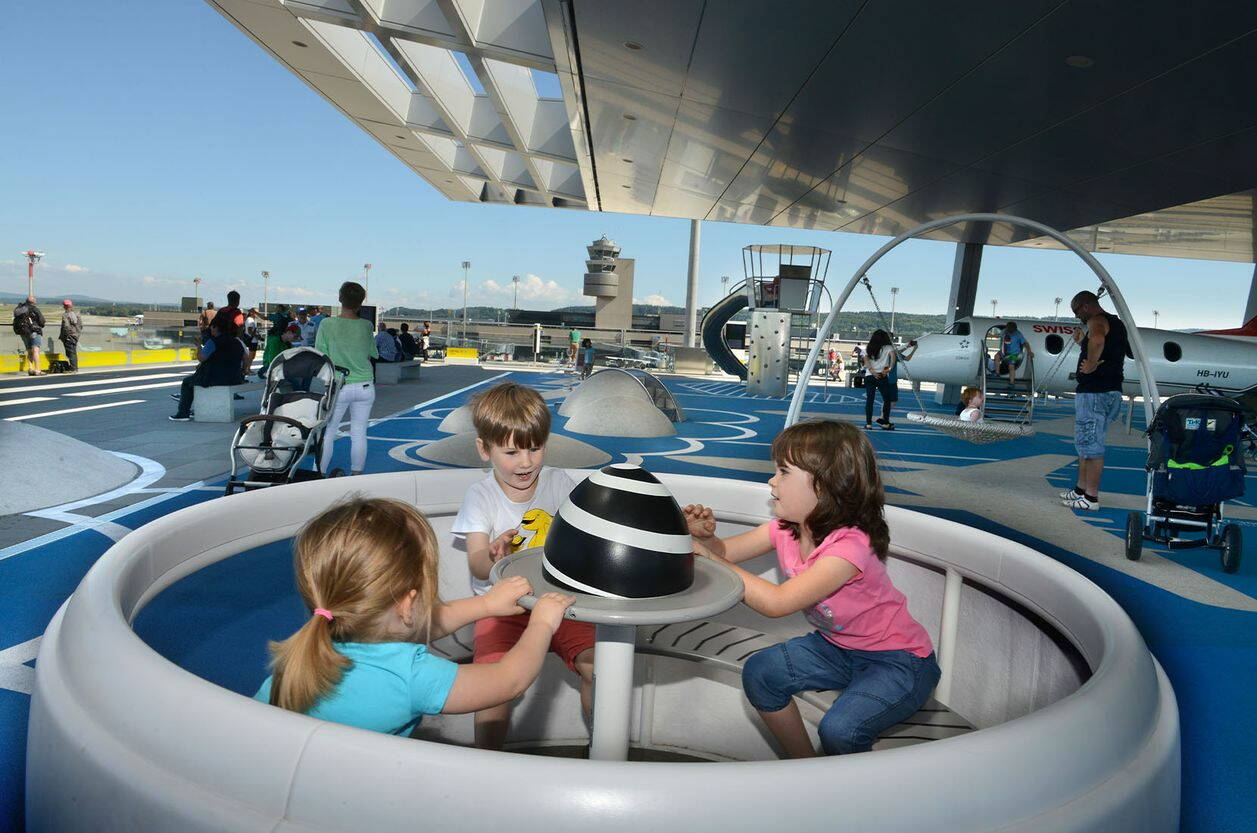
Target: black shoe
882, 421
888, 426
868, 426
175, 397
178, 418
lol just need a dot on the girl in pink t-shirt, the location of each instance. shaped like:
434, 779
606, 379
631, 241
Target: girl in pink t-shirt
831, 540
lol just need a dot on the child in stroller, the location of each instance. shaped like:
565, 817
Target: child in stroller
301, 387
1195, 463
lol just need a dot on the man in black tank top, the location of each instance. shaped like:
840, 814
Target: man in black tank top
1098, 400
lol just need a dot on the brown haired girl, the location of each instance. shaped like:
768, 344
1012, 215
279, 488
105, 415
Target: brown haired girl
831, 540
367, 569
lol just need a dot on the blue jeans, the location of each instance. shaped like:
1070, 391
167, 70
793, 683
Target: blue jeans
879, 688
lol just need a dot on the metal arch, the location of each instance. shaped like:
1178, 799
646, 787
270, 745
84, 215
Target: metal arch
1151, 397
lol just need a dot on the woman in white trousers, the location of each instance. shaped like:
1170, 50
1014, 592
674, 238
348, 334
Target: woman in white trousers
350, 343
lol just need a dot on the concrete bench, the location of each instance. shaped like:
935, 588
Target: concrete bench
727, 646
391, 373
217, 403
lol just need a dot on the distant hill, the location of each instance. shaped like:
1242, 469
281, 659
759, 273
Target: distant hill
79, 300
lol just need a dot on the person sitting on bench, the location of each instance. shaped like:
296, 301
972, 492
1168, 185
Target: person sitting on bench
222, 357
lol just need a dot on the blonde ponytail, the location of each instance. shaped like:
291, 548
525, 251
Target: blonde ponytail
306, 666
353, 563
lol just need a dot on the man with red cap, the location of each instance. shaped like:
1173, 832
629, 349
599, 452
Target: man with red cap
71, 329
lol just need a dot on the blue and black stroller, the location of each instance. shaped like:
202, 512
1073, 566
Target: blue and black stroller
1195, 463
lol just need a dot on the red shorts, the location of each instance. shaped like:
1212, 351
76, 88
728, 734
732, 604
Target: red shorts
496, 635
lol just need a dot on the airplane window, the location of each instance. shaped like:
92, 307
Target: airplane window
1172, 351
1054, 344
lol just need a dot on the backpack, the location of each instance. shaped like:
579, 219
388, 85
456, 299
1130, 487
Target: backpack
22, 320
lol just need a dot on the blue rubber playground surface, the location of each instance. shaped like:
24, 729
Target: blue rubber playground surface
1208, 648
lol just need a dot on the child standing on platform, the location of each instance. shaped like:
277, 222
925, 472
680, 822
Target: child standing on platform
367, 570
509, 510
831, 540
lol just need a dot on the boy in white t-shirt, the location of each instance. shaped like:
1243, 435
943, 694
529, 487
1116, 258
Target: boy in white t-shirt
510, 510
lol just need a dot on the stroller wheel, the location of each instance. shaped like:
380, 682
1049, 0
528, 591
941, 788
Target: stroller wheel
1134, 536
1232, 548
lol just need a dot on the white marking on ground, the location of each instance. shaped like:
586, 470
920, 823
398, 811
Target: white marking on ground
127, 389
119, 380
28, 400
15, 674
76, 410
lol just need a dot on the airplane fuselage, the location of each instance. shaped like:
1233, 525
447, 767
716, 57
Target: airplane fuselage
1179, 361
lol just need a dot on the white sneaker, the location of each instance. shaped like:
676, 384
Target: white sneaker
1082, 502
1068, 494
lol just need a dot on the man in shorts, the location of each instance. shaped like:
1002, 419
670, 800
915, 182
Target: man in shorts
28, 324
1098, 397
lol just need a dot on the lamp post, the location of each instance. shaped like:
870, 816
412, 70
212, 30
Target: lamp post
993, 303
1056, 316
894, 296
266, 287
1155, 314
466, 266
366, 280
32, 257
196, 290
515, 280
724, 285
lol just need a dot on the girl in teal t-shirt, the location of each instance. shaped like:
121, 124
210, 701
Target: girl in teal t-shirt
367, 569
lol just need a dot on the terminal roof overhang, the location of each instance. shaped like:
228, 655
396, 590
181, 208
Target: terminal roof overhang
1132, 125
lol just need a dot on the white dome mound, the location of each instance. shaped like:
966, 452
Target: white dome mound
457, 421
41, 468
1077, 726
633, 415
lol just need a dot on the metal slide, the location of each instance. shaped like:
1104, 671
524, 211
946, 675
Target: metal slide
713, 332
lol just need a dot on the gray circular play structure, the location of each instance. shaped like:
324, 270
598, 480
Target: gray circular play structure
622, 402
1051, 714
1151, 396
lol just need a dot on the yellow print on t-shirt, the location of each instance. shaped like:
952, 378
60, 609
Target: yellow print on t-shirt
535, 521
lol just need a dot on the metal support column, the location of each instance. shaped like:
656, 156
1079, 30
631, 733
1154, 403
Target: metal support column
691, 289
964, 292
1250, 309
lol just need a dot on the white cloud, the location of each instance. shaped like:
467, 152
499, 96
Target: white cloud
150, 280
74, 268
298, 291
533, 290
655, 300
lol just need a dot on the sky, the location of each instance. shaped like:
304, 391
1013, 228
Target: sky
147, 143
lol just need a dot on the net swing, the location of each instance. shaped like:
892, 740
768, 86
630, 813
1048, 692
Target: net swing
980, 432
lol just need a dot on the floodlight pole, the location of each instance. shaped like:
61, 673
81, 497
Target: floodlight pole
366, 280
1155, 315
466, 266
32, 257
1056, 316
993, 303
515, 280
196, 290
266, 285
894, 296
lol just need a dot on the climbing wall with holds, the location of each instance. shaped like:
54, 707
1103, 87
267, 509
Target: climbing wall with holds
768, 354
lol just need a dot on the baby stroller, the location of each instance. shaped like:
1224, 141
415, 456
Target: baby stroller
1195, 462
301, 387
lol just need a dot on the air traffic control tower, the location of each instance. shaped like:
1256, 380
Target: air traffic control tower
609, 279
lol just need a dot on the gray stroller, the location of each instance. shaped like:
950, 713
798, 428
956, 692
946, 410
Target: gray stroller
267, 449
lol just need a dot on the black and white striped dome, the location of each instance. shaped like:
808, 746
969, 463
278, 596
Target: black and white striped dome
620, 535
